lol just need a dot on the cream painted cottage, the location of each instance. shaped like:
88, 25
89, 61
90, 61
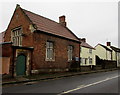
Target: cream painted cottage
86, 53
103, 52
115, 53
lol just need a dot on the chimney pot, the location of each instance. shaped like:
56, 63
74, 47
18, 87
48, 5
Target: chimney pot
108, 43
83, 39
62, 20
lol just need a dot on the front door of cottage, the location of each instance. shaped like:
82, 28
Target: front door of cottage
21, 65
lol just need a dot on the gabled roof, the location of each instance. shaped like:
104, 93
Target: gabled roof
115, 49
105, 47
84, 44
50, 26
2, 37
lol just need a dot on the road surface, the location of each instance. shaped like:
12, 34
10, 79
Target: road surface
102, 82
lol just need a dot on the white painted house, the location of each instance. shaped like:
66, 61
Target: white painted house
115, 53
86, 53
103, 52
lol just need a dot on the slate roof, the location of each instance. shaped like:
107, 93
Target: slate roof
115, 49
50, 26
2, 37
84, 44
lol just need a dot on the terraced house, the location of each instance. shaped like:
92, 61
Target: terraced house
86, 53
103, 52
115, 53
39, 44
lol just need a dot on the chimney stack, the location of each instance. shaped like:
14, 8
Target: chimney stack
83, 39
62, 20
108, 43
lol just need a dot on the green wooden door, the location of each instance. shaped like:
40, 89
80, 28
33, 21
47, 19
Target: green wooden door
20, 65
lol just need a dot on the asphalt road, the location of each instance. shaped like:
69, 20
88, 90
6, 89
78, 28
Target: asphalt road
103, 82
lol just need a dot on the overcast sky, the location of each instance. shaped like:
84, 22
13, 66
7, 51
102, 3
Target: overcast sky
95, 20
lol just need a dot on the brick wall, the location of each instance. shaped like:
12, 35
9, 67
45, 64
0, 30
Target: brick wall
107, 64
60, 48
20, 20
6, 50
38, 42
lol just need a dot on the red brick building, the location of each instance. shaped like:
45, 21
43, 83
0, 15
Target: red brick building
39, 44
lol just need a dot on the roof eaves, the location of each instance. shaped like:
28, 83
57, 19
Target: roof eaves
87, 47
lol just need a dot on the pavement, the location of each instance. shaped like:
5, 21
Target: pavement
19, 80
100, 83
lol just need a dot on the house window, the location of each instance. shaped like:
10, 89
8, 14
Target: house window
70, 53
49, 51
17, 37
83, 60
90, 60
90, 51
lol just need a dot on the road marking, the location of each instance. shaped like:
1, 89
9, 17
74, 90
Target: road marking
84, 86
81, 86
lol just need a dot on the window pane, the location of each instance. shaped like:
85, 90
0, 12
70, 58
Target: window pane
20, 32
20, 40
83, 60
90, 61
15, 41
70, 51
51, 45
47, 44
48, 54
50, 50
51, 53
17, 38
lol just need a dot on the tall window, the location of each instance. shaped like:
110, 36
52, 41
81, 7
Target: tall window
90, 60
70, 53
49, 51
17, 37
84, 60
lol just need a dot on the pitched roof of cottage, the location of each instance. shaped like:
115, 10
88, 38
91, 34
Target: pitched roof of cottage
84, 44
105, 47
50, 26
115, 49
2, 37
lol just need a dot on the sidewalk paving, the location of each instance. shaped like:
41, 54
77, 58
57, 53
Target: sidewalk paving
48, 76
